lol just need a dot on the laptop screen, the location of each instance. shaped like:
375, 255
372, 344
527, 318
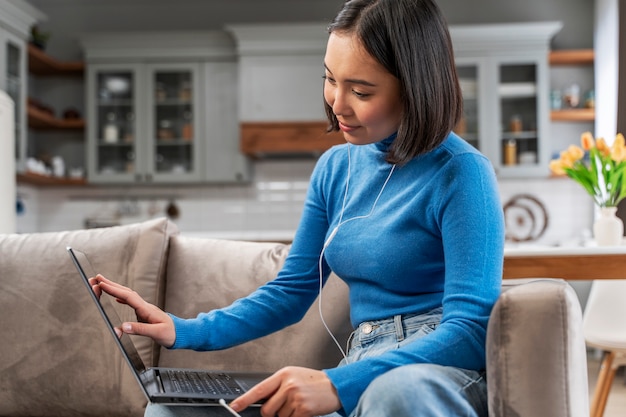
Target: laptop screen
107, 310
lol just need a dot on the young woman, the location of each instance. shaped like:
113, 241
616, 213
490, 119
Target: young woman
406, 213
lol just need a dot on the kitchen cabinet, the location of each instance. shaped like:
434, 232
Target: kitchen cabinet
16, 19
281, 111
142, 123
503, 73
162, 112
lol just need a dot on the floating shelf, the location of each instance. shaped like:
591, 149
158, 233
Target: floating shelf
38, 119
262, 139
38, 179
573, 115
571, 57
40, 63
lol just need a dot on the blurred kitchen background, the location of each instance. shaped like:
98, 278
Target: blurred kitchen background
259, 195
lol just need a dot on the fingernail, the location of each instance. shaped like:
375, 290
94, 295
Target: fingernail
127, 327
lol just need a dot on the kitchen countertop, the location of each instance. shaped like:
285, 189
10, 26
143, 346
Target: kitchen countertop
544, 250
570, 263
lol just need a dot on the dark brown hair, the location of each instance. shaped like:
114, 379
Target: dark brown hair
410, 39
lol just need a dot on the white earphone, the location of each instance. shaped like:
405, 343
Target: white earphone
334, 233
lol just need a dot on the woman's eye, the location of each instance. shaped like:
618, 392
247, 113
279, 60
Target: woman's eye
329, 79
360, 95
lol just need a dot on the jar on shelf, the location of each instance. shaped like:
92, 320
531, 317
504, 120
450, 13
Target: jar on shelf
515, 124
165, 130
571, 96
184, 94
556, 100
160, 93
510, 152
129, 135
187, 130
590, 99
111, 131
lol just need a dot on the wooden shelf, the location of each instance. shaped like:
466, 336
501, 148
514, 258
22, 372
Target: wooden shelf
38, 119
571, 57
287, 138
38, 179
40, 63
573, 115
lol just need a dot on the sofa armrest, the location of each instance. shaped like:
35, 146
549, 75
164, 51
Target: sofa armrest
536, 356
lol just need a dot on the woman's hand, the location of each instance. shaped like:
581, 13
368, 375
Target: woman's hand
292, 391
154, 322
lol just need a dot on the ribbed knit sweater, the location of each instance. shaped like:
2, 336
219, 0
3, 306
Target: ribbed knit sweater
434, 238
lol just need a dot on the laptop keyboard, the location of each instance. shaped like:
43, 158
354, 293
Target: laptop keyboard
204, 383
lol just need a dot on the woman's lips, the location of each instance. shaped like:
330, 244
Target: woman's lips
346, 128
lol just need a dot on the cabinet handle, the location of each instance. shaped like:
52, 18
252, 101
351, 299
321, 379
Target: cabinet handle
138, 177
148, 177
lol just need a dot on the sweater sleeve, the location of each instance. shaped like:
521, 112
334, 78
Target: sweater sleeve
471, 223
277, 304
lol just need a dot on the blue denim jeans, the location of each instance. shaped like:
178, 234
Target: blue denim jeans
419, 390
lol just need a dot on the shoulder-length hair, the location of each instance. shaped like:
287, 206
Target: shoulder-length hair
410, 39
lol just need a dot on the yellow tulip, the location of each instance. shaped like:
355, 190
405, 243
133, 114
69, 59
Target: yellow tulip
557, 167
586, 140
575, 153
618, 153
603, 148
566, 160
618, 150
619, 140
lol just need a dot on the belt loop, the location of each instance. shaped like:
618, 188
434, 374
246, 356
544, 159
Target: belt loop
397, 321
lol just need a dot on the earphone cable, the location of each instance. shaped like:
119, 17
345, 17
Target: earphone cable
332, 236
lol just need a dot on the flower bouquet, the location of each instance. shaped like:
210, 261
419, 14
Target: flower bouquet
599, 168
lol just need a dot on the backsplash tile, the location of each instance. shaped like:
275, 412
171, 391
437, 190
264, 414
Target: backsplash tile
272, 202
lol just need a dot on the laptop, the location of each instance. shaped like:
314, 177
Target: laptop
171, 386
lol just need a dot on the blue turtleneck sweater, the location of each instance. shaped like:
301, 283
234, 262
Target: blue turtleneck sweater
435, 238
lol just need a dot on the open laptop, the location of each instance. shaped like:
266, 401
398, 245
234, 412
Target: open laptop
172, 386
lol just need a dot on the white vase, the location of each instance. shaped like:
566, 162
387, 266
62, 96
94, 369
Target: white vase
608, 229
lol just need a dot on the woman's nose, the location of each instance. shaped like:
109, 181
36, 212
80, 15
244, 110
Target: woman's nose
339, 103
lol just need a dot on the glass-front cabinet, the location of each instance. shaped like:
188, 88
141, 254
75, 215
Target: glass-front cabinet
469, 73
171, 121
13, 82
503, 73
143, 125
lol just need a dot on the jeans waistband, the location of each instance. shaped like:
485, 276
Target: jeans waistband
398, 327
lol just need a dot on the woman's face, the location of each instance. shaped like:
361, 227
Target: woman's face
363, 95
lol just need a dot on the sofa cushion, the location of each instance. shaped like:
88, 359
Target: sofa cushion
204, 274
58, 357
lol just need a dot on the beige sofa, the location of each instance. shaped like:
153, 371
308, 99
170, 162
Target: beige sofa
57, 359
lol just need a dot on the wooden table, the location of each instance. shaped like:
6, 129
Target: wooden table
570, 263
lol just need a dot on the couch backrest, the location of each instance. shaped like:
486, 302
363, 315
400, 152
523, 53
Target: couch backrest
56, 357
204, 274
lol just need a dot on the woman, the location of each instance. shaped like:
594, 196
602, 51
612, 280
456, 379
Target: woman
405, 212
